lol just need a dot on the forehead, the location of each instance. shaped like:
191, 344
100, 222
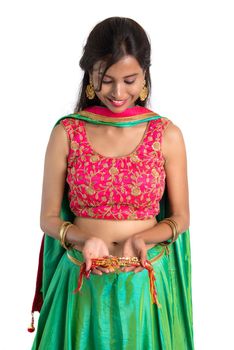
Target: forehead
125, 66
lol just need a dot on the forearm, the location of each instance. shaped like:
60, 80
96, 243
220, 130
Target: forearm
162, 232
51, 226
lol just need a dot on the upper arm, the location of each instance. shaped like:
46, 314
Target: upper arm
174, 152
55, 167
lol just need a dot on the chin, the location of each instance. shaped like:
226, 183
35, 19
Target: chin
117, 109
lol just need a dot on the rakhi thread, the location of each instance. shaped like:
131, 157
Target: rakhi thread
116, 263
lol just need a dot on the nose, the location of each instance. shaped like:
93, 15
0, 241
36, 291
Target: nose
117, 91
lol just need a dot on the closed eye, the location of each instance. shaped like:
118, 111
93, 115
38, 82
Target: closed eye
126, 81
130, 82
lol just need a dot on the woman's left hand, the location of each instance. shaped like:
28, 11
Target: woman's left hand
135, 246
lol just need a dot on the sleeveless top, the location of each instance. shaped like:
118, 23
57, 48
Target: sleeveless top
115, 188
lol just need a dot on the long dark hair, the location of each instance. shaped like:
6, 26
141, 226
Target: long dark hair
109, 41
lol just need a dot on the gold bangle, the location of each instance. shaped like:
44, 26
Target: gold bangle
62, 227
173, 222
176, 227
66, 245
62, 234
173, 226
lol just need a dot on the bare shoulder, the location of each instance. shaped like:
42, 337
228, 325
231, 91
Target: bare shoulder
55, 169
172, 140
59, 140
171, 130
59, 131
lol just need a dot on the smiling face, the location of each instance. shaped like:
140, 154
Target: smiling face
121, 84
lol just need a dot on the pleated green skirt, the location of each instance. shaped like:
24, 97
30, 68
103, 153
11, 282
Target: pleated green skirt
115, 311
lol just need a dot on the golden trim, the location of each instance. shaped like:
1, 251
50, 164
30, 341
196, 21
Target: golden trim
119, 119
158, 256
74, 260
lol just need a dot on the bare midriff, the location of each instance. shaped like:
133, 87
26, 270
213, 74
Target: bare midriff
114, 233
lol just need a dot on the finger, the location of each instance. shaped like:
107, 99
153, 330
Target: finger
96, 272
143, 257
138, 269
88, 263
103, 269
128, 269
127, 252
111, 269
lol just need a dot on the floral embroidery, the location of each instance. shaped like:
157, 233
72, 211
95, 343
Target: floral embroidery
94, 158
156, 146
113, 170
136, 191
134, 158
121, 188
74, 145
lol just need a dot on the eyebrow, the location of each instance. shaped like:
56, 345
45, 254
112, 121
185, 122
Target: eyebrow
127, 76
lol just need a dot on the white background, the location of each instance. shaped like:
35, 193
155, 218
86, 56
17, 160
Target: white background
192, 75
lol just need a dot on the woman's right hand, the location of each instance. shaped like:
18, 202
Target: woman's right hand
95, 248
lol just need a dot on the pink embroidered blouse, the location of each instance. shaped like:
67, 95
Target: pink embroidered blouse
117, 188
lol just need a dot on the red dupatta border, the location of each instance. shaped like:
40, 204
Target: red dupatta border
135, 113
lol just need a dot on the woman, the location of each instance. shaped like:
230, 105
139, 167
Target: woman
115, 211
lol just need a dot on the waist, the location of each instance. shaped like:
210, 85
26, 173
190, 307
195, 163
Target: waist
114, 232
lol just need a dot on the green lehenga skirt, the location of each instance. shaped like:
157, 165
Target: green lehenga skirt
115, 311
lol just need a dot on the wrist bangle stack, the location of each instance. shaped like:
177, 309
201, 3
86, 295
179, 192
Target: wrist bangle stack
174, 227
62, 234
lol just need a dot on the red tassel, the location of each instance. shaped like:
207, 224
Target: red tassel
152, 278
148, 266
80, 280
31, 328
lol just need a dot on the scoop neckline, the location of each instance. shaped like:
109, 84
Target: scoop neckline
120, 157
